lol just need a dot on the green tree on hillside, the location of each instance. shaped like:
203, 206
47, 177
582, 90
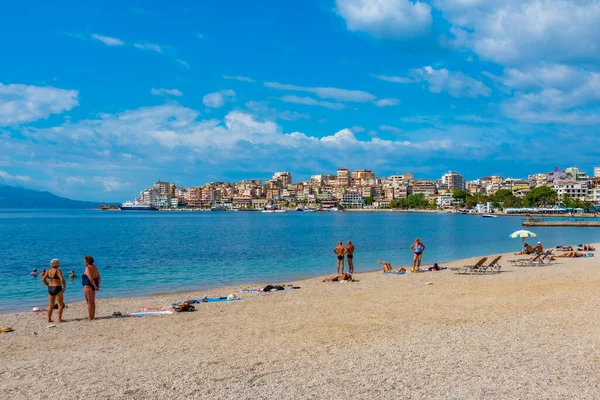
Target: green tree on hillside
540, 196
369, 200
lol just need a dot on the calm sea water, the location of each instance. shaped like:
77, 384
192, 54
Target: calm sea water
140, 253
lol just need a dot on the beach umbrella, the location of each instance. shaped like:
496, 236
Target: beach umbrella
522, 233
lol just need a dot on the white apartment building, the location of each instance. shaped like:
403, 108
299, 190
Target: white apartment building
573, 189
594, 196
352, 199
596, 172
453, 181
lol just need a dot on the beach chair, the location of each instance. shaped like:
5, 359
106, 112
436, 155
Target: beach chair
493, 266
528, 262
546, 257
470, 269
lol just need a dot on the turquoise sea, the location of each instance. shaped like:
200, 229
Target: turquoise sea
141, 253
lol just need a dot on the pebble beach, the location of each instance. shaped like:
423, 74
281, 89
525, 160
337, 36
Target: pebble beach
523, 333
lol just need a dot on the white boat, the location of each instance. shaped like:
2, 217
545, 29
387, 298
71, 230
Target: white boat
274, 209
489, 216
135, 206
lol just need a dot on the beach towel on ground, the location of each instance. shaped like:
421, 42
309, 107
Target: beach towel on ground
150, 313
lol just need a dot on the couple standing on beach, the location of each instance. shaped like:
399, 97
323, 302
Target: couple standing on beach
340, 250
54, 279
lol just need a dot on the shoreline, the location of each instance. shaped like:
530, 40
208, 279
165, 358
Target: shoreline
235, 289
526, 332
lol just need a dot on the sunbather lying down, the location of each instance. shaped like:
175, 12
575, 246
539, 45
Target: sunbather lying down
343, 277
572, 254
387, 268
586, 247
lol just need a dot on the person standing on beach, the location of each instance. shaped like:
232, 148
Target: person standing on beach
54, 279
91, 284
417, 247
340, 250
350, 256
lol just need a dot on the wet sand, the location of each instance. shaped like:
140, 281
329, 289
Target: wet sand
524, 333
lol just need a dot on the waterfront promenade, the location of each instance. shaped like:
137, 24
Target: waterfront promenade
526, 333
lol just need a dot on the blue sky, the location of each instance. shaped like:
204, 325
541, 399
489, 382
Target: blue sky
100, 99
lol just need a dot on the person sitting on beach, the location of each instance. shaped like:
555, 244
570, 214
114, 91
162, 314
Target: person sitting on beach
73, 275
339, 278
572, 254
527, 249
387, 267
55, 281
539, 249
34, 272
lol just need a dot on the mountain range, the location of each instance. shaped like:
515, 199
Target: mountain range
18, 197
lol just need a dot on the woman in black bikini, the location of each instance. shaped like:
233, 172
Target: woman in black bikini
91, 284
54, 279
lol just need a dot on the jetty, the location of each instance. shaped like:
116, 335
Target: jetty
574, 222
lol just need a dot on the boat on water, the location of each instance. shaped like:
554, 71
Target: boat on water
219, 207
133, 206
489, 216
463, 211
274, 209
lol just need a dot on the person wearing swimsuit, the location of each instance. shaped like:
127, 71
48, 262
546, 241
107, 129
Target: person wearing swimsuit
340, 250
91, 284
417, 247
54, 279
350, 256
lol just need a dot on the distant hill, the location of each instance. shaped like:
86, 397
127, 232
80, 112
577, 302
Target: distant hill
16, 197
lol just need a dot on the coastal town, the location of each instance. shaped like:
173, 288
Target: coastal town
569, 188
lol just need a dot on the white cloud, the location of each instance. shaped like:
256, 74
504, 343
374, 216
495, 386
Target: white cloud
387, 102
389, 128
518, 31
111, 183
107, 40
357, 129
397, 19
23, 103
239, 78
184, 63
394, 79
552, 93
326, 92
218, 99
169, 92
309, 101
261, 109
8, 178
148, 46
455, 83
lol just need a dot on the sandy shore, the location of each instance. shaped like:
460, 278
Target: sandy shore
525, 333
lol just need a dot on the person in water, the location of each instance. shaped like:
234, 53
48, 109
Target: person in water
418, 248
34, 272
341, 277
54, 279
340, 250
72, 275
350, 256
527, 249
91, 284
